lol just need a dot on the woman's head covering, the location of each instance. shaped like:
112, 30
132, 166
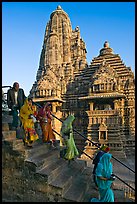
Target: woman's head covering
70, 119
105, 161
67, 125
26, 102
30, 99
105, 148
26, 108
47, 104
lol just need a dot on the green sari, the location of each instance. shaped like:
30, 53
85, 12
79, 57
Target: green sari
67, 134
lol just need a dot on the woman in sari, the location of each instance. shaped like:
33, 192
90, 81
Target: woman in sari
45, 118
67, 134
96, 159
104, 179
27, 118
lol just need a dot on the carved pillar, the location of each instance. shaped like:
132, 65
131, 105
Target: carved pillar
122, 110
115, 104
43, 92
90, 91
49, 92
54, 107
91, 106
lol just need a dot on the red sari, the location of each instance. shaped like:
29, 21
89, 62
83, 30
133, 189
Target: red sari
44, 116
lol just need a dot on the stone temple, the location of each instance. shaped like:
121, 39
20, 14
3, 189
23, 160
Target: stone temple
101, 95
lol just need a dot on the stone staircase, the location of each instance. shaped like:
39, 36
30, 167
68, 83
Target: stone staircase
40, 175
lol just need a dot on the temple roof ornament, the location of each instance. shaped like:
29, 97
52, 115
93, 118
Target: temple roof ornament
106, 44
77, 28
106, 50
59, 7
59, 11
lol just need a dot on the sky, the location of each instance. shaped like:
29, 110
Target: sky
23, 28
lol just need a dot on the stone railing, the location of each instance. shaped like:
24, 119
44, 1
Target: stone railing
102, 112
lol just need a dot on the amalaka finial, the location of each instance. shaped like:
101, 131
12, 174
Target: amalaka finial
106, 49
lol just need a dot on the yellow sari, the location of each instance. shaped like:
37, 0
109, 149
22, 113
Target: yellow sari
28, 124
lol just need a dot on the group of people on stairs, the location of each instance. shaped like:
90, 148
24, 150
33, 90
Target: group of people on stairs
29, 114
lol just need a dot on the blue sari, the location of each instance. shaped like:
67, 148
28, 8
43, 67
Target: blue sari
104, 169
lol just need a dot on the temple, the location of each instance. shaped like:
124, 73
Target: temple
101, 95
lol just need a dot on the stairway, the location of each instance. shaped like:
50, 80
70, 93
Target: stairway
50, 177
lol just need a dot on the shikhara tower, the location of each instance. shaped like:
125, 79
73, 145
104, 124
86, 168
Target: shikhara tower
101, 95
63, 55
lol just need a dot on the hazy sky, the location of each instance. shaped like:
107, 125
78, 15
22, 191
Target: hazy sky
23, 28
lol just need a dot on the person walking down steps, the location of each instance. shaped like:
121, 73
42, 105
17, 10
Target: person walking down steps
27, 118
70, 152
104, 149
104, 179
45, 118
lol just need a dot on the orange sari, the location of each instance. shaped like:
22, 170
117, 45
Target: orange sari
44, 116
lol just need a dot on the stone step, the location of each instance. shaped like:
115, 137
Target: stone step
5, 126
60, 165
15, 148
7, 118
91, 192
18, 144
42, 160
52, 169
38, 148
20, 133
67, 174
9, 135
78, 188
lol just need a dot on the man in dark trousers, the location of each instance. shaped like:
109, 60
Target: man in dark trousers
103, 149
15, 100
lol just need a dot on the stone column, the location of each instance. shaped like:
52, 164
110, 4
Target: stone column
54, 107
43, 92
90, 91
91, 106
115, 104
122, 110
